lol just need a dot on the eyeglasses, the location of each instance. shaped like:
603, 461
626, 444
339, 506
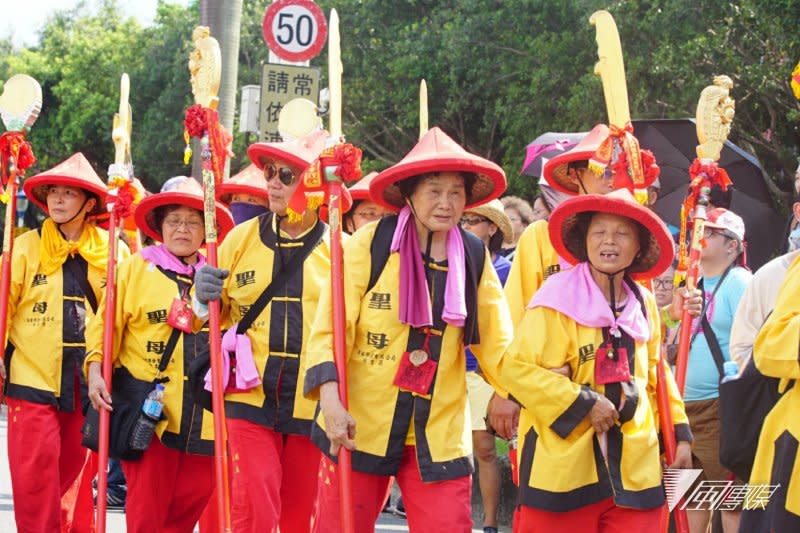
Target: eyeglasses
175, 223
473, 221
662, 284
285, 174
710, 232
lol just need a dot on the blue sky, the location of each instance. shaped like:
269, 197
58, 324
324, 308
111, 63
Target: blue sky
22, 20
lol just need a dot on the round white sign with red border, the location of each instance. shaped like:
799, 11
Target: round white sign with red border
295, 30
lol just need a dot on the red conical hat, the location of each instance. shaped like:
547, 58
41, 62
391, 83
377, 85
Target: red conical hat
566, 238
298, 153
436, 152
248, 181
187, 192
74, 172
555, 170
360, 189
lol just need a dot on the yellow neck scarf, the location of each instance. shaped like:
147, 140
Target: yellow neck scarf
54, 248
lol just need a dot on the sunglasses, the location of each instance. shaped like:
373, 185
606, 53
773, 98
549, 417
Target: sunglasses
473, 221
285, 174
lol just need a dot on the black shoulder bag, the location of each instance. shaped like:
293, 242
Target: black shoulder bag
199, 367
127, 396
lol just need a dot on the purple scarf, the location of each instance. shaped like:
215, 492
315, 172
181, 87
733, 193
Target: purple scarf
415, 303
575, 294
160, 256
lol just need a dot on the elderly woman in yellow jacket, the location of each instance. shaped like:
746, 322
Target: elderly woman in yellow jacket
773, 500
417, 290
57, 275
170, 483
589, 458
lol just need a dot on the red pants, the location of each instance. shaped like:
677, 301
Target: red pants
600, 517
167, 489
274, 479
46, 461
437, 506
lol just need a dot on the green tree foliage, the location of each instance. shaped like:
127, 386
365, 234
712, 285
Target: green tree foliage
499, 72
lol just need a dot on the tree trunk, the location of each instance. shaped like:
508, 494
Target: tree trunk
224, 17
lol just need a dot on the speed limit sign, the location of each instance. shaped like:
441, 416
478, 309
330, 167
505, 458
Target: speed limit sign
295, 30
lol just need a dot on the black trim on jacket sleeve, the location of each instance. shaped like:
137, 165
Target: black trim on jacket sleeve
318, 375
577, 411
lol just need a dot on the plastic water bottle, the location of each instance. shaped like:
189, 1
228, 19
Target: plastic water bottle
731, 371
145, 425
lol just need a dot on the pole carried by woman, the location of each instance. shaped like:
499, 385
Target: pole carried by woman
122, 196
202, 122
715, 111
20, 105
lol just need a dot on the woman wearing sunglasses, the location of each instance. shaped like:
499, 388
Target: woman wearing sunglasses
269, 421
433, 291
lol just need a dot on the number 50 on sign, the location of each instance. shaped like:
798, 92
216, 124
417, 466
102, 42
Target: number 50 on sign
295, 30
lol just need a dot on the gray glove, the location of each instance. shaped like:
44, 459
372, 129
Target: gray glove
208, 283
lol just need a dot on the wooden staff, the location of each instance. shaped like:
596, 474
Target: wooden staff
20, 105
205, 65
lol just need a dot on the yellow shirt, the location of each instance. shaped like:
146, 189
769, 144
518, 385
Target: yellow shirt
534, 260
47, 315
254, 255
778, 456
145, 295
375, 343
561, 468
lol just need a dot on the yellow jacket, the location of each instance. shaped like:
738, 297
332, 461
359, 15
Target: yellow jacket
47, 315
560, 464
144, 296
439, 423
534, 260
279, 333
778, 457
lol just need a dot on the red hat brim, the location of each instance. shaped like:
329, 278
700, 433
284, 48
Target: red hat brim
73, 172
436, 152
620, 203
555, 170
145, 212
224, 191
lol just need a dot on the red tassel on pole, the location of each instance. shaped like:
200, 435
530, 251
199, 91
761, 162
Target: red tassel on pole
16, 156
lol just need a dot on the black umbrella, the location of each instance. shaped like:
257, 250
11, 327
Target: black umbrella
674, 142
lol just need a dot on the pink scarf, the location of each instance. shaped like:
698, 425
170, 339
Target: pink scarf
246, 372
160, 256
415, 303
575, 294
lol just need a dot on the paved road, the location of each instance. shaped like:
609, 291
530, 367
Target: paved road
116, 520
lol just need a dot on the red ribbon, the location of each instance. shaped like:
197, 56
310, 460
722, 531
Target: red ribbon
197, 122
13, 144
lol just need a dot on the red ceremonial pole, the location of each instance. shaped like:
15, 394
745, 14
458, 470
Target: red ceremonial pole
8, 245
108, 356
339, 346
215, 345
692, 275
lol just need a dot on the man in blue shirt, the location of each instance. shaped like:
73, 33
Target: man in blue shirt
724, 280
